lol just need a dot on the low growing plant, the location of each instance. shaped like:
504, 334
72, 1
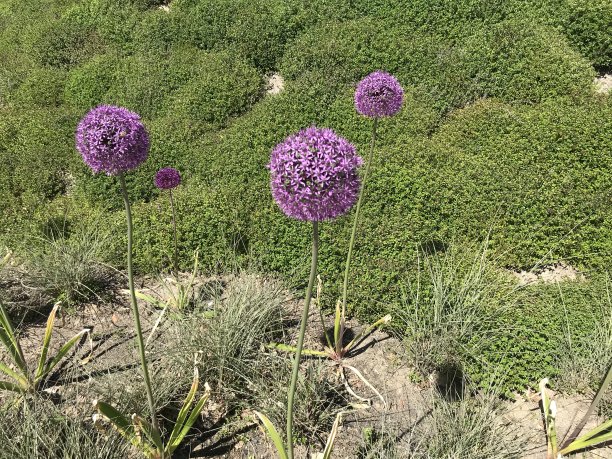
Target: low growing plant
574, 442
23, 379
144, 436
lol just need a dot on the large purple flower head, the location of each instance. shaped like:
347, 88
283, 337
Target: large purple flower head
379, 94
167, 178
314, 175
112, 140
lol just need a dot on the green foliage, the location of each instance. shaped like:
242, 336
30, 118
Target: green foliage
531, 339
257, 30
87, 85
588, 26
36, 149
522, 173
517, 61
226, 87
65, 42
43, 88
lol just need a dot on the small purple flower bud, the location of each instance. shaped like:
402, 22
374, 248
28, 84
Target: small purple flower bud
314, 175
112, 140
379, 94
167, 178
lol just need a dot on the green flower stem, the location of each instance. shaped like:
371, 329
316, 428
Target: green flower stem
141, 347
174, 230
300, 343
356, 219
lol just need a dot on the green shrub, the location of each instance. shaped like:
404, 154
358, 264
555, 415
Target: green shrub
225, 87
588, 26
521, 61
517, 61
36, 150
87, 85
44, 87
535, 176
256, 30
65, 42
531, 335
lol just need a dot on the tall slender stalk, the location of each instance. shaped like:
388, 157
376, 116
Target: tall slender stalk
300, 343
139, 339
174, 230
356, 218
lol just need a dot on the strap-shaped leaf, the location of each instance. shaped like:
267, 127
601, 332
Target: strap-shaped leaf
150, 432
124, 426
549, 408
10, 341
5, 385
287, 348
188, 423
273, 434
598, 396
329, 446
182, 415
46, 342
366, 331
338, 327
150, 299
21, 379
61, 353
594, 437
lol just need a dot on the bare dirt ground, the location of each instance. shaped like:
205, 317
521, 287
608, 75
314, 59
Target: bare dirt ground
404, 404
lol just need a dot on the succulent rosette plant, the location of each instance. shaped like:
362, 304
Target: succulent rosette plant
314, 177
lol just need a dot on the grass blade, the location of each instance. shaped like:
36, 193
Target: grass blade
592, 438
273, 434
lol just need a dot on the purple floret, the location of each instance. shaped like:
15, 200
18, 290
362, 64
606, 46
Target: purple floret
167, 178
379, 94
314, 175
112, 140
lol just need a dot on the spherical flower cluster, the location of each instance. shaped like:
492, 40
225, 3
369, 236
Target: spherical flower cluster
112, 140
379, 94
167, 178
314, 175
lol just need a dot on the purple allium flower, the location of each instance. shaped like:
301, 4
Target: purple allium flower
314, 175
112, 139
167, 178
379, 94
